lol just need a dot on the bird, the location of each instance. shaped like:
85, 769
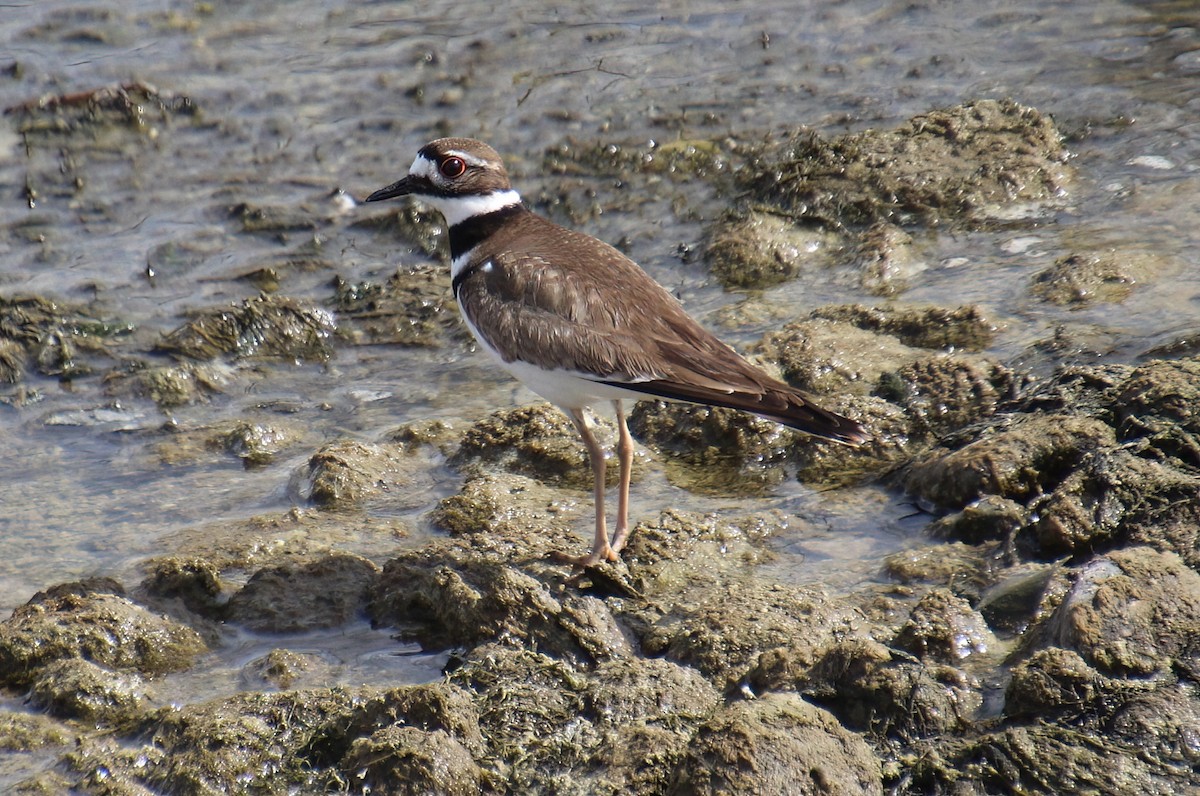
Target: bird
582, 324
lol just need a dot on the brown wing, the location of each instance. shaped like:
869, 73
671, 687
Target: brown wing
597, 313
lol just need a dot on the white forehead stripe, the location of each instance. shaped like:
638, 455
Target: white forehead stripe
422, 167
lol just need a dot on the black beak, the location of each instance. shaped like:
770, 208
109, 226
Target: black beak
402, 187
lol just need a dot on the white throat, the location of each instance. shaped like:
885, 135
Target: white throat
457, 209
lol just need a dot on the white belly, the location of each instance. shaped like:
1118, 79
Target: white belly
566, 389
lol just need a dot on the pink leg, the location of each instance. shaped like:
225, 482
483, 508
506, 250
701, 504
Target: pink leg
600, 547
625, 456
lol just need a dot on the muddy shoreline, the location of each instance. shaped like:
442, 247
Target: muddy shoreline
269, 523
1042, 639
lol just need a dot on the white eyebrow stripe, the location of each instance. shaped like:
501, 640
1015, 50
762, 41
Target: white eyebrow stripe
469, 159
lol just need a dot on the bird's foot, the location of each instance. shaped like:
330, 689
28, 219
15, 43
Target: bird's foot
606, 553
620, 537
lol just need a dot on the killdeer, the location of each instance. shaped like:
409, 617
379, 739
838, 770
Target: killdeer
580, 323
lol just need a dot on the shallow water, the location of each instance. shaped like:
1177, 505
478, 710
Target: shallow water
299, 98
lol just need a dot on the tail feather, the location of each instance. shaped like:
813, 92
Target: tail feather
784, 405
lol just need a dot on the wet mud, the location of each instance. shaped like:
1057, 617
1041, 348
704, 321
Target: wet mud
1039, 634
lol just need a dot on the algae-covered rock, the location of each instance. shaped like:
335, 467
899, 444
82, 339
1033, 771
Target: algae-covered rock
194, 583
833, 356
722, 631
529, 713
105, 629
944, 628
135, 105
407, 760
944, 392
777, 744
956, 566
886, 260
1079, 280
1033, 455
1054, 683
1117, 496
346, 472
1133, 612
326, 592
965, 164
990, 518
413, 307
509, 511
248, 742
265, 327
757, 250
874, 689
965, 328
168, 386
27, 732
1161, 391
714, 450
76, 688
538, 441
451, 594
1047, 758
283, 669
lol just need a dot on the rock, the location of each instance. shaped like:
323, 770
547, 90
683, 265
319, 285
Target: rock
1059, 759
757, 250
1080, 280
282, 669
946, 392
530, 709
508, 510
964, 328
451, 594
1012, 604
1053, 683
777, 744
721, 630
964, 164
105, 629
260, 328
647, 690
28, 732
439, 706
193, 582
872, 689
250, 741
991, 518
74, 688
944, 628
833, 356
1132, 612
168, 386
956, 566
406, 760
1116, 496
347, 472
1033, 455
536, 441
414, 307
712, 450
293, 597
1160, 401
885, 259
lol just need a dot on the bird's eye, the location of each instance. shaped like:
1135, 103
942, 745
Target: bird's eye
453, 167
